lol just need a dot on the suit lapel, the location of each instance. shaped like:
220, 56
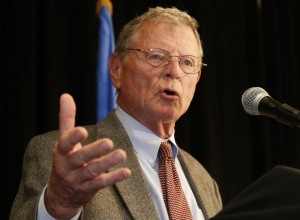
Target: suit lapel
195, 182
134, 191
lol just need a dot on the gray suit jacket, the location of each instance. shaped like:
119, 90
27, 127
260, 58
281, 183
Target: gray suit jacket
130, 199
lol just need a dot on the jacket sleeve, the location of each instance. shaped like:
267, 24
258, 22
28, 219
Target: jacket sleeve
37, 163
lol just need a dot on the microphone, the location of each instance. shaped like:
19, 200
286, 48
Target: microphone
256, 101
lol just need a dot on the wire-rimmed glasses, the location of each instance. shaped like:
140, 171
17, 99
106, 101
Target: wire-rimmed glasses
159, 58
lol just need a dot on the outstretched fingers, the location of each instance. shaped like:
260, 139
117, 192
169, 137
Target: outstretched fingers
90, 152
69, 142
101, 165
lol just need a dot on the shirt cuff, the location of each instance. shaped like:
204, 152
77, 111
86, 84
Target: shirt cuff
42, 213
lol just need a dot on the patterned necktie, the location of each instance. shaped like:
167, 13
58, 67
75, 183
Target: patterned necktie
174, 197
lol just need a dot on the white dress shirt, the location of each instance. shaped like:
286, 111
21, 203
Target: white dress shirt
146, 145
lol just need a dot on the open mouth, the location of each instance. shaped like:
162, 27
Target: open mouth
169, 92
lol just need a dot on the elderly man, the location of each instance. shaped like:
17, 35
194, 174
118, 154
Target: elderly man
75, 173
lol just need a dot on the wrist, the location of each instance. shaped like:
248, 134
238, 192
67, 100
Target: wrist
58, 210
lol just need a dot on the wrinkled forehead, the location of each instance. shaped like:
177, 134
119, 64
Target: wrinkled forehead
144, 31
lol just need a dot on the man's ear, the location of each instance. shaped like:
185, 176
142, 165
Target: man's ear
199, 76
115, 70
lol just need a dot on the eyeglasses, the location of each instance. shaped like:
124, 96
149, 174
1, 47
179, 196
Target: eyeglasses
159, 58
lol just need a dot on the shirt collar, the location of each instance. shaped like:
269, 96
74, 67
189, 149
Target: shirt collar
145, 142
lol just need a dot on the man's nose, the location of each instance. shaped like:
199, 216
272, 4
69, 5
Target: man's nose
173, 69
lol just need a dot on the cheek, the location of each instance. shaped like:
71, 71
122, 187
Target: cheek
189, 91
141, 76
190, 87
137, 84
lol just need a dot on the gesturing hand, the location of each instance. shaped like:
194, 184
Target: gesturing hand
79, 172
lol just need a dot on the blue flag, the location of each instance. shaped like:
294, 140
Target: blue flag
106, 99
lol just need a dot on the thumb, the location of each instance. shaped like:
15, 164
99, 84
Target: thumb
67, 112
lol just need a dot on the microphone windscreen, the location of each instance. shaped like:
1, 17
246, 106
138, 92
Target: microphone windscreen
251, 98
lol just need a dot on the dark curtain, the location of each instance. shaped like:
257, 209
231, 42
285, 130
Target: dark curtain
50, 47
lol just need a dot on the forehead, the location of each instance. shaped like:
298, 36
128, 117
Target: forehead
174, 38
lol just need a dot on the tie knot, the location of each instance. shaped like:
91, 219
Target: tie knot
165, 150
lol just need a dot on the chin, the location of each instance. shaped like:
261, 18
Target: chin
167, 112
169, 116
